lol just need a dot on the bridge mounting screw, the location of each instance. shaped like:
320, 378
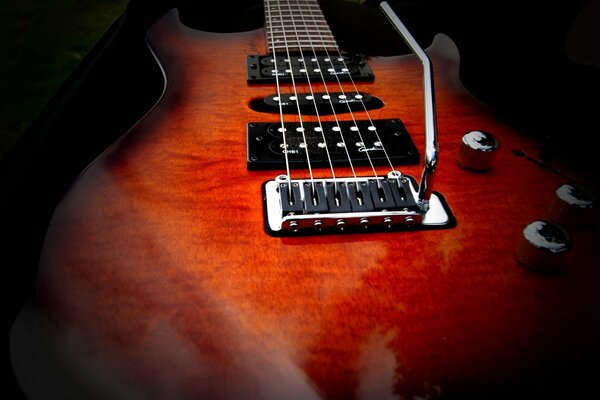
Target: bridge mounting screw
409, 221
294, 226
364, 222
340, 224
387, 222
318, 224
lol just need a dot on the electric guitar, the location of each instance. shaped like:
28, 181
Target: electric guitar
290, 221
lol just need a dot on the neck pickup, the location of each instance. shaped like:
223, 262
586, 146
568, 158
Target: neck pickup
308, 68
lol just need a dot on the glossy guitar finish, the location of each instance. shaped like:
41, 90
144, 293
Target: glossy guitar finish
158, 274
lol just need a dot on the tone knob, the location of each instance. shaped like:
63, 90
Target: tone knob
542, 246
574, 205
477, 150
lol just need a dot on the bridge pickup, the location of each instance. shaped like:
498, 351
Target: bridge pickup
322, 67
363, 204
317, 103
365, 142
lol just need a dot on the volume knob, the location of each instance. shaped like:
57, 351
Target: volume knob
573, 205
542, 246
477, 150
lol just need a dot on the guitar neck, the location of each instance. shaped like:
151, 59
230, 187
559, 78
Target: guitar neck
297, 26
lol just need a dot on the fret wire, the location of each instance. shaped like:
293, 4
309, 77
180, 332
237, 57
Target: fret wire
311, 37
302, 49
311, 8
307, 33
300, 39
316, 14
303, 42
299, 13
294, 18
331, 38
306, 17
307, 29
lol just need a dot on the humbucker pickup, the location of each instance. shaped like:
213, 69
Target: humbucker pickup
337, 205
339, 143
320, 67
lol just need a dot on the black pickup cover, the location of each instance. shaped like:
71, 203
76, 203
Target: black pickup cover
261, 68
266, 146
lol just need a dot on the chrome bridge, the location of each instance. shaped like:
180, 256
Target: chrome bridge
342, 205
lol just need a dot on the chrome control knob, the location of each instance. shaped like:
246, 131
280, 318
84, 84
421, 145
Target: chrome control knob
574, 205
477, 150
542, 246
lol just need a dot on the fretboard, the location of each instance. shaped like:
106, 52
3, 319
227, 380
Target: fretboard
297, 25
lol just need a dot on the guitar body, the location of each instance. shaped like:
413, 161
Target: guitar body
158, 279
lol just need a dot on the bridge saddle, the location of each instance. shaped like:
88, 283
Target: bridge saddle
340, 205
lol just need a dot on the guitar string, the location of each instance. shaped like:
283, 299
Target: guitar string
267, 5
295, 90
310, 88
345, 66
328, 57
328, 95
